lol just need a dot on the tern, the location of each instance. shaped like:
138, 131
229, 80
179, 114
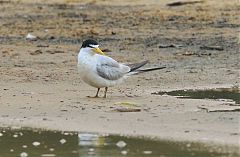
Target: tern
100, 71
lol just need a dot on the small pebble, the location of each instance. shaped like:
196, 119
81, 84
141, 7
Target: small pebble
62, 141
121, 144
31, 37
91, 153
91, 149
65, 133
147, 152
36, 144
48, 155
124, 152
23, 154
189, 145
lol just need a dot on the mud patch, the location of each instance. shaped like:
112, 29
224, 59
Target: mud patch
232, 94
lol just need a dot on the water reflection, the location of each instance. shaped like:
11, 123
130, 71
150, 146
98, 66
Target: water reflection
31, 143
86, 139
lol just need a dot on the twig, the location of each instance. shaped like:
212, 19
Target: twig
170, 45
218, 48
179, 3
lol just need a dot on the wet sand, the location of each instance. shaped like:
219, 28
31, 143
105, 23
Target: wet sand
40, 86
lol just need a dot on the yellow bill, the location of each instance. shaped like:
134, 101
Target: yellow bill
98, 51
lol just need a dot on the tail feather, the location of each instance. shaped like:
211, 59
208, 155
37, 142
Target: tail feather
149, 69
135, 68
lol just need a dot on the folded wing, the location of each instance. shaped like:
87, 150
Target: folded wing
110, 69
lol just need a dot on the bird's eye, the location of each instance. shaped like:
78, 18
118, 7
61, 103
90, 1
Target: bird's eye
90, 46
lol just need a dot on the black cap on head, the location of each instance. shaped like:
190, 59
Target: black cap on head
88, 43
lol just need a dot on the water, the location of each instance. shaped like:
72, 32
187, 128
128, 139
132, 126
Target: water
42, 143
218, 93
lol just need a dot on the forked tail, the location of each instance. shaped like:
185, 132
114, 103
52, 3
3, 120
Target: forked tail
135, 68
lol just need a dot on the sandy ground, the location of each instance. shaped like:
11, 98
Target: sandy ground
40, 86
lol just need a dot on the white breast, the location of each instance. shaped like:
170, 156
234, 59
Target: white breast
87, 69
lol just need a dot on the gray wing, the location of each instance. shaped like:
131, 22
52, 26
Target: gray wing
110, 69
